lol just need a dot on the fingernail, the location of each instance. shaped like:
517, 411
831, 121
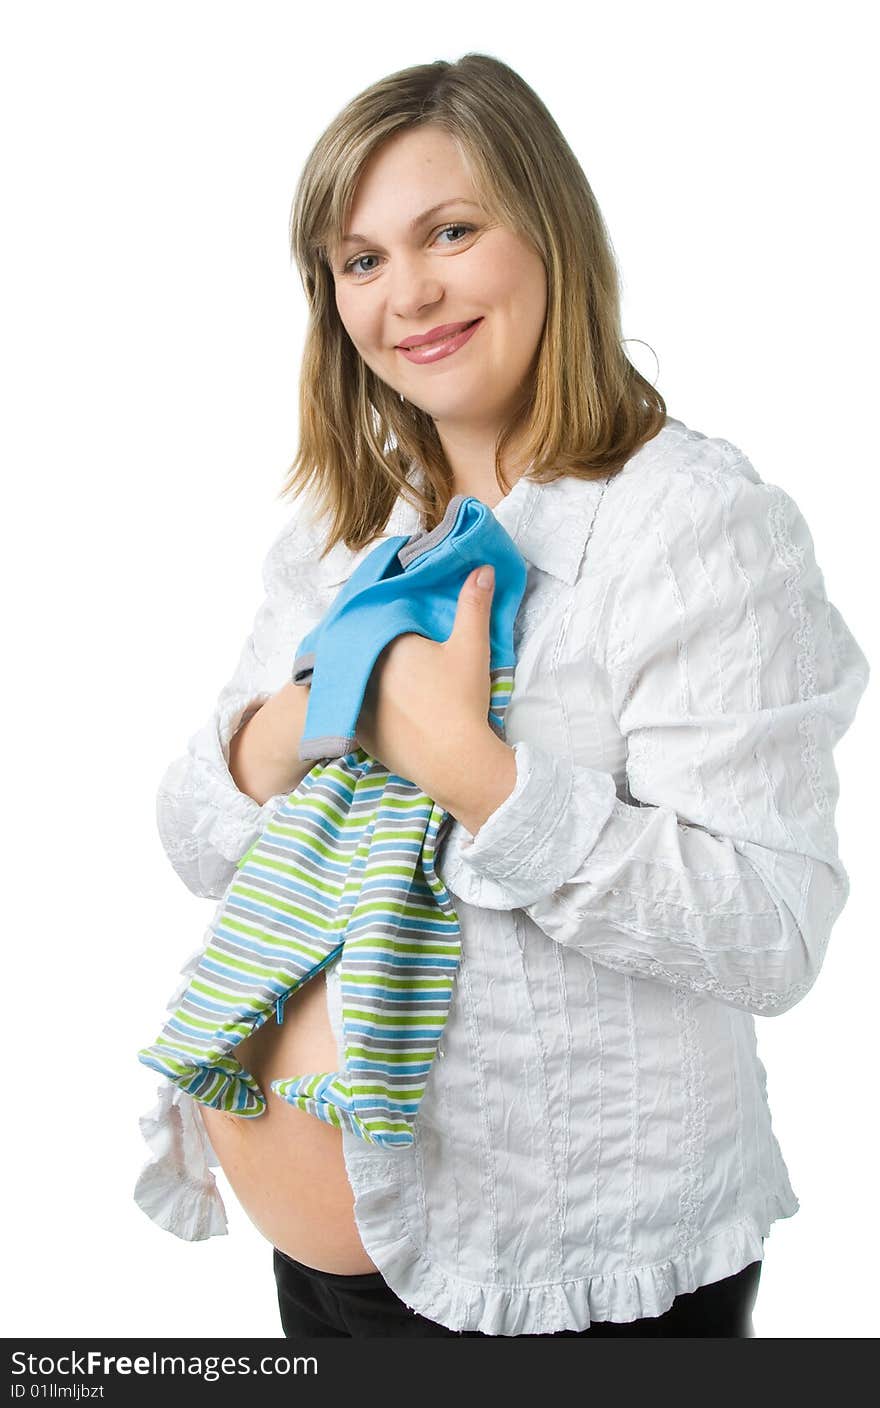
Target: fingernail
485, 576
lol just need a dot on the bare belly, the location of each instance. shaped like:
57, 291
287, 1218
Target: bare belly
286, 1167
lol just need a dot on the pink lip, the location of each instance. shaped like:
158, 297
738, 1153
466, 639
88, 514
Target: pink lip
434, 335
424, 351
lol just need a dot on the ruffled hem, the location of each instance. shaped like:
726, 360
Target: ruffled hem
176, 1187
623, 1296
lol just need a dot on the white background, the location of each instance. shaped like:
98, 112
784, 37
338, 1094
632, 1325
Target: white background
152, 327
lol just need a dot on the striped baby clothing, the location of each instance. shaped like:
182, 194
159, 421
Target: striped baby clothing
345, 867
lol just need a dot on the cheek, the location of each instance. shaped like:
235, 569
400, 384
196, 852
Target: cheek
347, 317
352, 314
514, 274
532, 288
532, 306
363, 327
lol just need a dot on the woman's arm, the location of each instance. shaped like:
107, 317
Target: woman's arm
732, 678
263, 761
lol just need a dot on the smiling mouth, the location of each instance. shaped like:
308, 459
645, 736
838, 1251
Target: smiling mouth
447, 337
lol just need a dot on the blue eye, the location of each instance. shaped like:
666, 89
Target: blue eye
350, 266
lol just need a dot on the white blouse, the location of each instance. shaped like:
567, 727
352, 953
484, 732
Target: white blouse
596, 1138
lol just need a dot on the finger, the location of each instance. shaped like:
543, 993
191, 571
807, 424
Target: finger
474, 608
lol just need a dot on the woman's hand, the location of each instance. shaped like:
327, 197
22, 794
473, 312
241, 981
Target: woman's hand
425, 714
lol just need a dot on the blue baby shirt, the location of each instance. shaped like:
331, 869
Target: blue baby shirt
406, 584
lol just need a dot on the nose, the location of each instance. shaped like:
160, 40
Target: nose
413, 287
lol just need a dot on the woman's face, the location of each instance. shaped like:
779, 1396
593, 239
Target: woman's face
400, 279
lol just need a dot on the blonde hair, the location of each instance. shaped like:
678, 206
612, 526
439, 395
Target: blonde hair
585, 409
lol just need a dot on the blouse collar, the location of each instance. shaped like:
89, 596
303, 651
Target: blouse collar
549, 523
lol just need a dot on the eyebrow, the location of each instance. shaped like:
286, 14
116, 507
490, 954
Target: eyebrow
419, 219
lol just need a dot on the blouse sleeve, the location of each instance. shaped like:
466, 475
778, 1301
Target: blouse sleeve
205, 823
732, 679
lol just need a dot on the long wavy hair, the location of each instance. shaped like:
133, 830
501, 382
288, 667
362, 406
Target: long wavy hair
585, 409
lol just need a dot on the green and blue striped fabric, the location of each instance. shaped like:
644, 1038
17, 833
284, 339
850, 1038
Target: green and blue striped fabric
344, 870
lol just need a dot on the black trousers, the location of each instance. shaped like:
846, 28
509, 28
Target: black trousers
320, 1304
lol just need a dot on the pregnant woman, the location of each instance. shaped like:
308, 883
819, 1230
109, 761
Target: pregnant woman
645, 863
